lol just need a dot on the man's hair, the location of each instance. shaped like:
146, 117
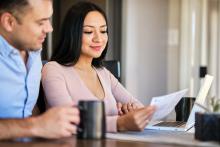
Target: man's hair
12, 6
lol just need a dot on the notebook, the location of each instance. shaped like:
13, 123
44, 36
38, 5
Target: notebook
184, 126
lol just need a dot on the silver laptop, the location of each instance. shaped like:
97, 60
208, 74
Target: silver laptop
197, 107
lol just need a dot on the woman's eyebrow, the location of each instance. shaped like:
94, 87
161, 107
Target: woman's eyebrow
94, 26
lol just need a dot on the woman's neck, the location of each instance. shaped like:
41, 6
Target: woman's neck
84, 64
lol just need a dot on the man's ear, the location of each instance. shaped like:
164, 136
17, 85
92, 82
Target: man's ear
7, 21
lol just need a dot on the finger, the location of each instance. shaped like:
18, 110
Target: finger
151, 111
144, 124
64, 134
119, 105
150, 115
141, 119
142, 116
69, 131
148, 109
72, 111
73, 119
72, 128
71, 115
140, 112
153, 107
124, 108
134, 106
144, 113
130, 108
120, 112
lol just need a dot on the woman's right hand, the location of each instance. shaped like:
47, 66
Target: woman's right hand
135, 120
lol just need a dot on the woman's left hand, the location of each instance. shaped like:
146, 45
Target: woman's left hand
125, 108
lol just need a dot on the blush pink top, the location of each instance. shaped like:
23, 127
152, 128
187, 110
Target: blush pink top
63, 86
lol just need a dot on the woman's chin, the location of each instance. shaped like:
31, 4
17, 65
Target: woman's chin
96, 55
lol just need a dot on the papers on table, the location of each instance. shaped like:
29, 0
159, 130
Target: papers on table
165, 104
162, 137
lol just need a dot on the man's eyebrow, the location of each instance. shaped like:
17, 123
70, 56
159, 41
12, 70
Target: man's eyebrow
94, 27
43, 19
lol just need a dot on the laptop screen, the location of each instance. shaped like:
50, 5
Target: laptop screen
200, 99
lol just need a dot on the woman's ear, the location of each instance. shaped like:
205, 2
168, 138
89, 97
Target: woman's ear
7, 21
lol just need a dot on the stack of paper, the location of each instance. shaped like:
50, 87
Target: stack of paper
166, 104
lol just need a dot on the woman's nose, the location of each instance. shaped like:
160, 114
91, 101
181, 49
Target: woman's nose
97, 37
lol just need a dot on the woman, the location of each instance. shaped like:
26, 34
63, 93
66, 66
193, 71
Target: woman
76, 72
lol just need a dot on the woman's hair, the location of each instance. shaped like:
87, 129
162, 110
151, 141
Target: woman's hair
68, 51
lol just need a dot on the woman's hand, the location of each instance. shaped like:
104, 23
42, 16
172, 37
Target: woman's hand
135, 120
125, 108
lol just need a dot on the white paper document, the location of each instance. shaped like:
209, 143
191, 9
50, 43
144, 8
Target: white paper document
166, 104
162, 137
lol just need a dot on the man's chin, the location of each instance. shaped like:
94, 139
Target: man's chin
36, 48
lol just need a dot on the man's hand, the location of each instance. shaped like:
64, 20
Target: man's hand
57, 122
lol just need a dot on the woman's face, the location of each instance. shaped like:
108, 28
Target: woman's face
94, 37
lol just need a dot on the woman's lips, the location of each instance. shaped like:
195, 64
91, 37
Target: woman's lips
96, 48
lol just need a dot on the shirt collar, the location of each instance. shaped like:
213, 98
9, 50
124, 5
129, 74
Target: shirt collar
6, 49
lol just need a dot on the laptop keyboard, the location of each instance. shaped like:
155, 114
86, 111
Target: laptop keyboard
170, 124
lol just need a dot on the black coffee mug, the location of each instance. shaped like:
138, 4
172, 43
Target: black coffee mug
92, 120
183, 108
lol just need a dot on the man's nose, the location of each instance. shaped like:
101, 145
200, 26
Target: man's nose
48, 27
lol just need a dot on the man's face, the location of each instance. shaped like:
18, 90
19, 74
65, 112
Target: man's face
30, 30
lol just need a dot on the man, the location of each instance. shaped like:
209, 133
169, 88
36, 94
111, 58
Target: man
23, 28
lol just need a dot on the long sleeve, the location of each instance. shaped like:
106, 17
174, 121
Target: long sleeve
111, 122
121, 94
54, 85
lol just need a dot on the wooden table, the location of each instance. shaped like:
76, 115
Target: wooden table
74, 142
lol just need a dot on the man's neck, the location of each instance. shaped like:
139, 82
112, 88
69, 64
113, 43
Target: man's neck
24, 56
23, 53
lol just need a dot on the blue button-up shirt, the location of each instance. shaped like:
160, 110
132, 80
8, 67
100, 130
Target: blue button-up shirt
19, 83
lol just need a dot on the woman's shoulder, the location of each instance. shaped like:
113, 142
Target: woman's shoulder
51, 65
54, 66
104, 72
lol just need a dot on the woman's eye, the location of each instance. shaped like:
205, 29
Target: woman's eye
103, 32
88, 32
